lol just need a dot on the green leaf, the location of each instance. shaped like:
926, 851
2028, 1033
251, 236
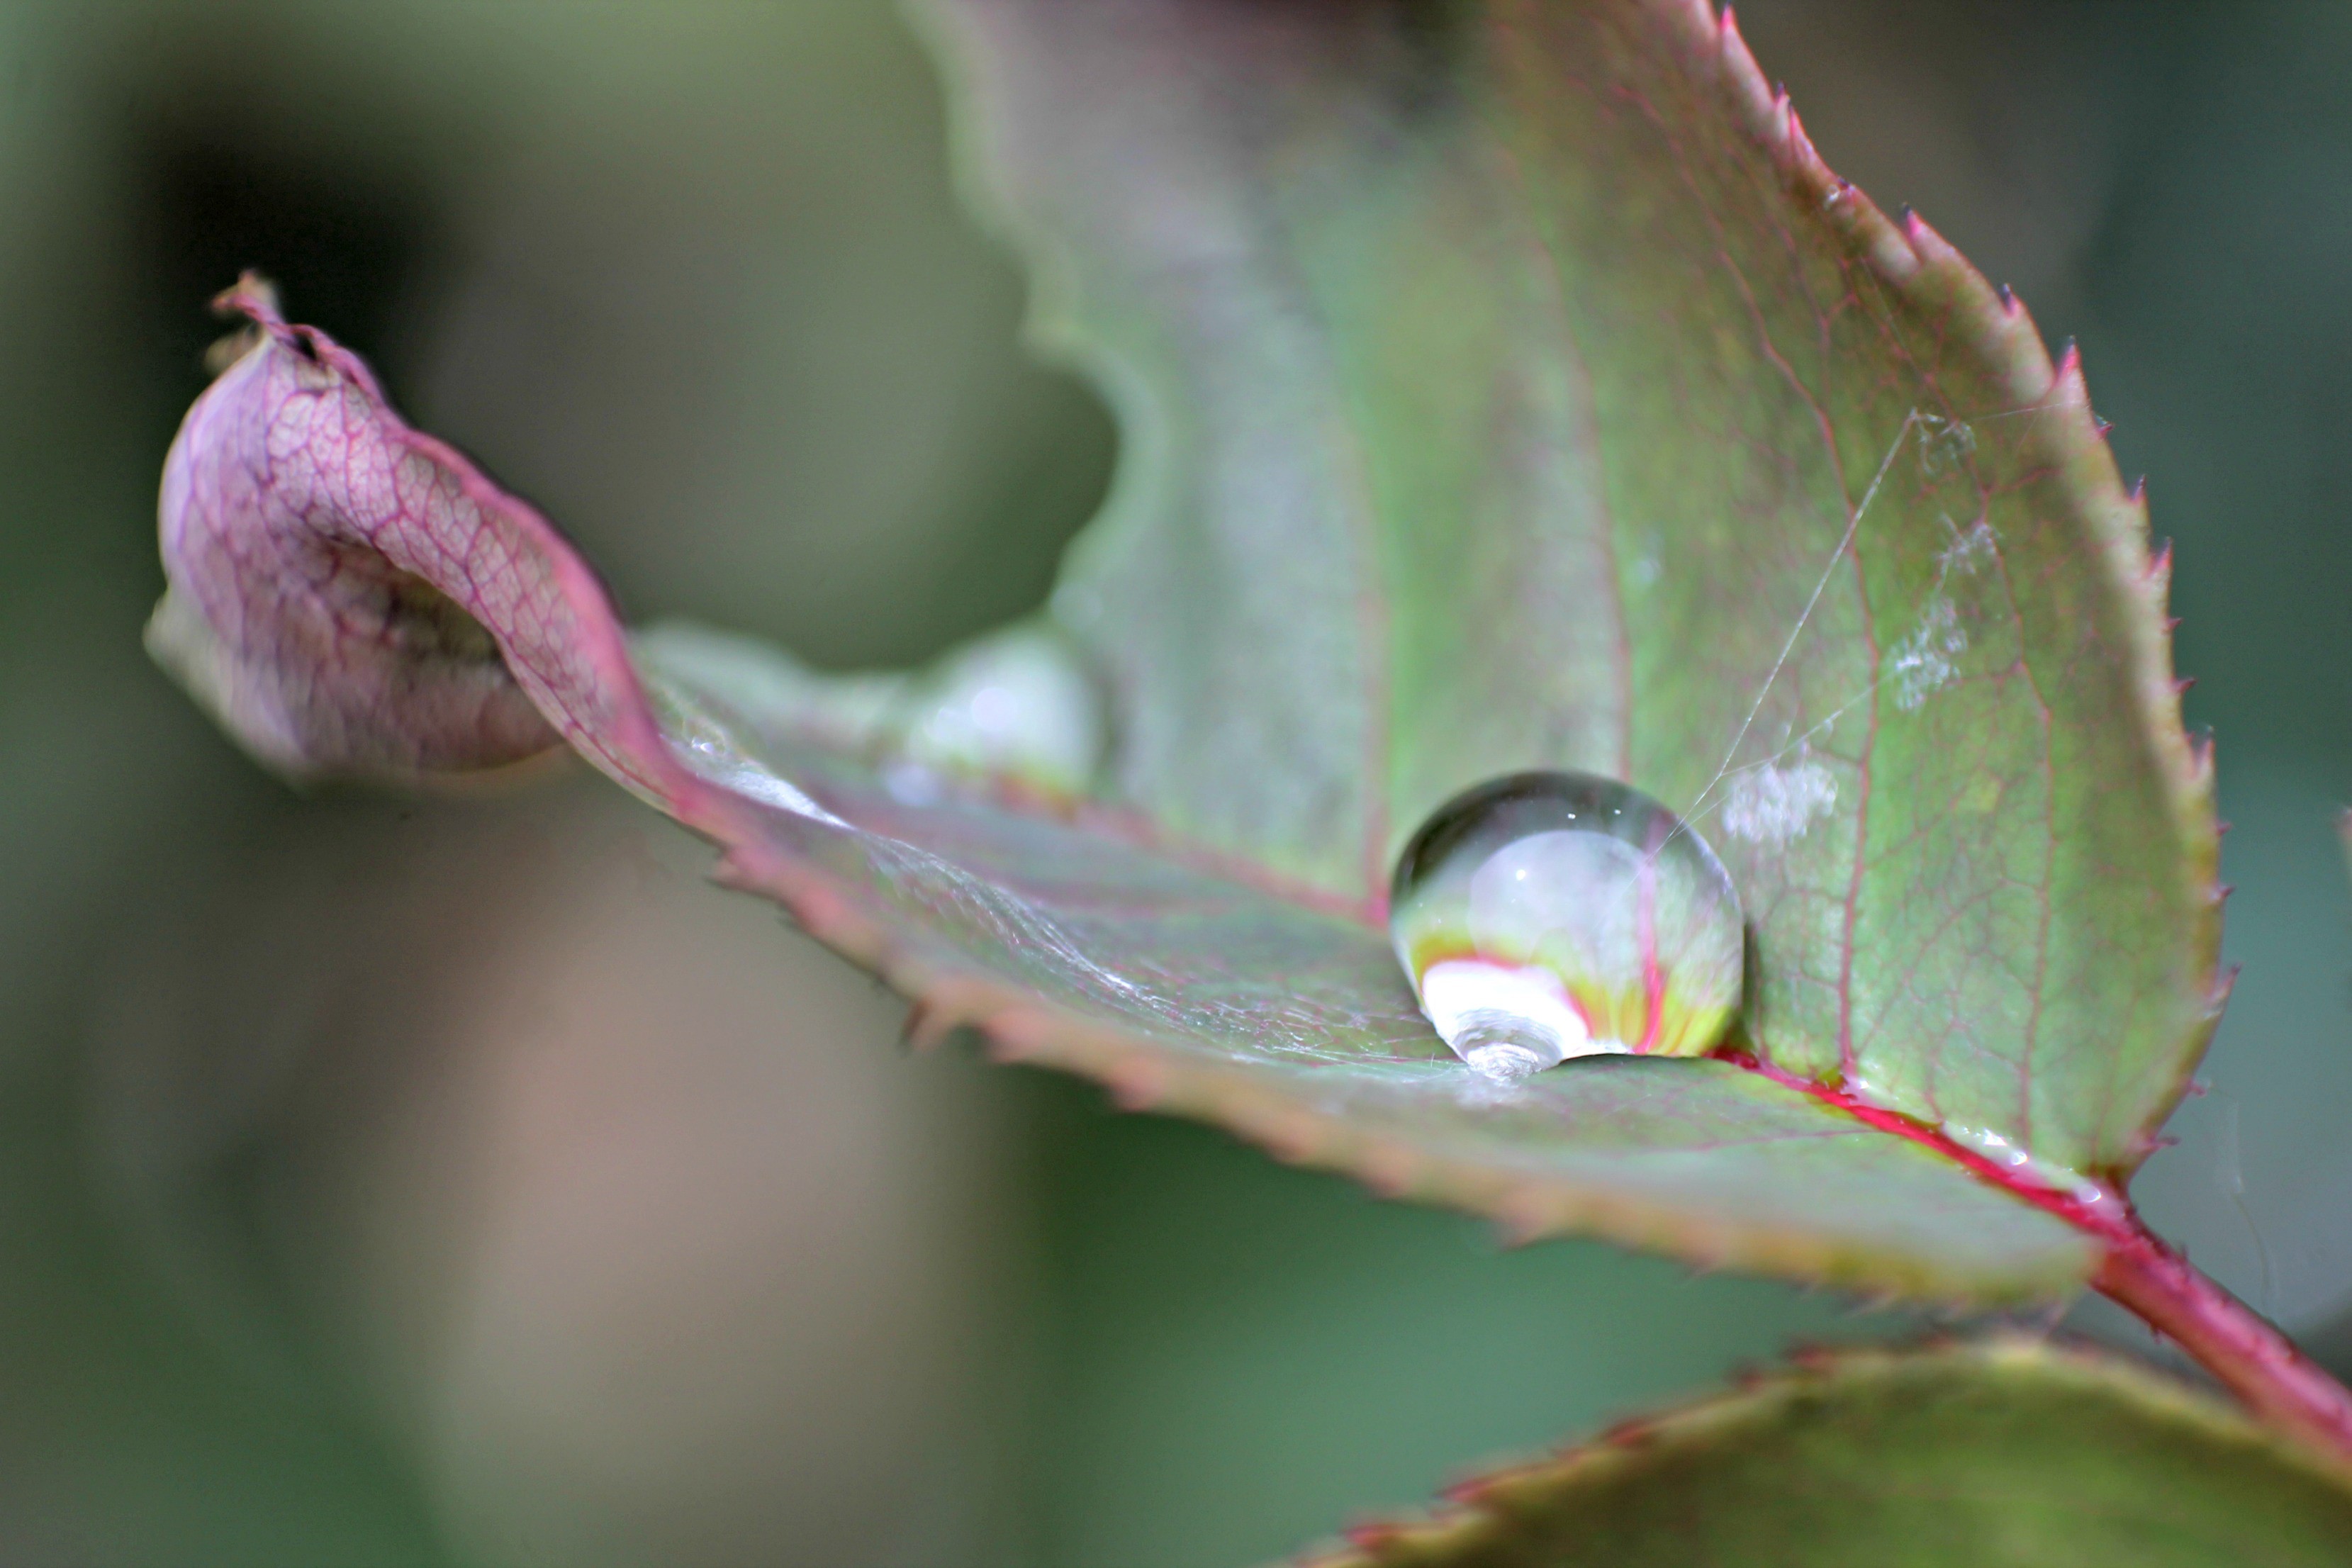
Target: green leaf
2005, 1454
1508, 385
1503, 384
1196, 992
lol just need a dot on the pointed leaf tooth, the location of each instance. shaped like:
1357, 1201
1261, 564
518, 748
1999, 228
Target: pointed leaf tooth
1803, 155
1291, 1139
732, 871
1374, 1534
1389, 1168
2069, 386
1470, 1492
1143, 1085
1632, 1432
1523, 1222
928, 1025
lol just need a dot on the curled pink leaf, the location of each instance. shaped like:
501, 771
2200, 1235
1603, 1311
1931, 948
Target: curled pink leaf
350, 597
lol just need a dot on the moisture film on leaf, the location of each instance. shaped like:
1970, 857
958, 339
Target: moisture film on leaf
1502, 386
2009, 1453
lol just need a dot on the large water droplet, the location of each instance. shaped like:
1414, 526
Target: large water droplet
1546, 915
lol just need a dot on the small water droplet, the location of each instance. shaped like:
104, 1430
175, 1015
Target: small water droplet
1550, 915
1018, 703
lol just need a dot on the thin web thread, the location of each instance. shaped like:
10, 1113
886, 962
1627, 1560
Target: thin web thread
1915, 420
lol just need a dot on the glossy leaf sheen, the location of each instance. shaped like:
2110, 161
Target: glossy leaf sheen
1504, 386
2006, 1456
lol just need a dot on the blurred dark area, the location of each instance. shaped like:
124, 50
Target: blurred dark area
466, 1181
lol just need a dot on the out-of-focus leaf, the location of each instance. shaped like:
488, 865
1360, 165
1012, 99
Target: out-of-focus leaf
1503, 385
2009, 1455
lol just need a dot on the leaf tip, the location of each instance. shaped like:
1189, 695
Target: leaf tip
2067, 381
253, 296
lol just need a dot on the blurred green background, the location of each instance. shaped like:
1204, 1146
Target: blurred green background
462, 1181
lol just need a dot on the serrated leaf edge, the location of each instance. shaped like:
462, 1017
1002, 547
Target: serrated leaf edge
1023, 1029
1913, 259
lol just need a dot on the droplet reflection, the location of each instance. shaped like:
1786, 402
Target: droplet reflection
1550, 915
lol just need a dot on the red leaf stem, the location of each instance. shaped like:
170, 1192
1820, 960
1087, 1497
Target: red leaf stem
2244, 1352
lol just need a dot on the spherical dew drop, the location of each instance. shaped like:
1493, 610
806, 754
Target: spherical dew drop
1550, 915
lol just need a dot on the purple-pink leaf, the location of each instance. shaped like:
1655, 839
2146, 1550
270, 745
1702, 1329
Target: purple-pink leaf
332, 571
